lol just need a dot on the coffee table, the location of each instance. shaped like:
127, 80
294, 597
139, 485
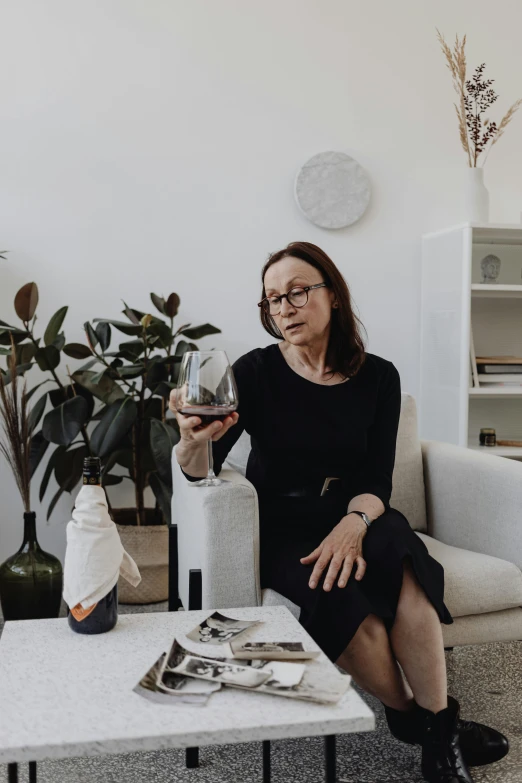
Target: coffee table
65, 695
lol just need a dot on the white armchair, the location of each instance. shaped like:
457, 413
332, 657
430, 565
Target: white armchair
465, 505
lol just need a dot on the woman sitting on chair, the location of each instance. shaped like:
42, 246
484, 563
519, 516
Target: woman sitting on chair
323, 416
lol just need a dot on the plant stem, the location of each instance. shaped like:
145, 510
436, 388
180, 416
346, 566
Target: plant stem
62, 387
84, 428
476, 132
136, 456
60, 384
104, 361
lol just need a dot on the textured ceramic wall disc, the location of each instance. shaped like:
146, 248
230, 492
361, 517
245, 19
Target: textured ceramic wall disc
332, 190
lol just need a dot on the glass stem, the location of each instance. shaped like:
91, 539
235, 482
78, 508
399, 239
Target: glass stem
211, 473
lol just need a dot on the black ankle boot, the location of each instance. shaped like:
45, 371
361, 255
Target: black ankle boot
479, 744
442, 760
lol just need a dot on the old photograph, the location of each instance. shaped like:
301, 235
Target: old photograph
272, 651
186, 690
217, 629
283, 675
317, 684
226, 673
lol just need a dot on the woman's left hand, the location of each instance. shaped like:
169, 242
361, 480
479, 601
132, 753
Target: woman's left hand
341, 548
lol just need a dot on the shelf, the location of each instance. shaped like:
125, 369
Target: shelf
496, 291
486, 233
498, 392
514, 452
497, 234
462, 315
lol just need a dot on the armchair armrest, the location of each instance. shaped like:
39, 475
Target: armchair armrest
473, 500
218, 532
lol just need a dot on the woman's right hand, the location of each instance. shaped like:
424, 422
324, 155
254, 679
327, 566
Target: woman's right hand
191, 429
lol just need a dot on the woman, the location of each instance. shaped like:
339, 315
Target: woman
317, 406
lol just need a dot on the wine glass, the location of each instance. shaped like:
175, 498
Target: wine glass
206, 388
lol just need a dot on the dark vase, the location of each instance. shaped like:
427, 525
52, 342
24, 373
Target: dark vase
103, 617
31, 581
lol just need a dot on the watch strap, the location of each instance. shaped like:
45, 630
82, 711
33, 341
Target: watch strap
364, 516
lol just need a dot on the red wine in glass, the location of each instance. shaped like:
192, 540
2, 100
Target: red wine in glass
206, 388
208, 413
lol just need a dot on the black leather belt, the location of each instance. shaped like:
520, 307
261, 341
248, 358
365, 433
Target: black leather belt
329, 485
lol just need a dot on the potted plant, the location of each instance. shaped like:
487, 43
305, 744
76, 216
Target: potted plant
114, 406
477, 132
133, 383
31, 580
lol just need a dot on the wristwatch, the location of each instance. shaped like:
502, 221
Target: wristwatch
365, 517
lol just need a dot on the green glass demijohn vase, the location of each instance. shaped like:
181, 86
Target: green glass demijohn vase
31, 580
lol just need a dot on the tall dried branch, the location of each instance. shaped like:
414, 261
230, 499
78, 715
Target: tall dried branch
456, 62
506, 119
15, 436
476, 95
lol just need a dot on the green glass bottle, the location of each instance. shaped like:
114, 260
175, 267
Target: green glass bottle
31, 580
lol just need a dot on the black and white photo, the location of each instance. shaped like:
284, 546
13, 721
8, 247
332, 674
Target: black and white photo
226, 673
218, 629
272, 651
185, 690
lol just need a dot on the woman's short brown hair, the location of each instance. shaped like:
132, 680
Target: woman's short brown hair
346, 351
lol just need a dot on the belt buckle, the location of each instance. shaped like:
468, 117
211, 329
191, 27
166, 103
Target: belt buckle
326, 484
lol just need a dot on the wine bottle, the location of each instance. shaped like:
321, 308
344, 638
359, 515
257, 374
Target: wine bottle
102, 615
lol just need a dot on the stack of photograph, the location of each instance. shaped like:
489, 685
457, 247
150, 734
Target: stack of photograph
282, 668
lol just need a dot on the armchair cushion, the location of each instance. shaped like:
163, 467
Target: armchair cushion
473, 500
273, 598
408, 481
218, 532
475, 583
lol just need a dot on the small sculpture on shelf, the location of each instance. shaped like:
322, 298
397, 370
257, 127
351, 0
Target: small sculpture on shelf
490, 266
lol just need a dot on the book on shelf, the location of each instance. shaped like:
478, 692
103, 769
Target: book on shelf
493, 369
473, 359
506, 379
494, 363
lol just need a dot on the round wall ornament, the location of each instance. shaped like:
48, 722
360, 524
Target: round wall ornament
332, 190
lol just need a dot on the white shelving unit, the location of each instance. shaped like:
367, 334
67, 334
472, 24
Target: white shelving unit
459, 312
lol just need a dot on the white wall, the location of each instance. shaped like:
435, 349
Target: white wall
152, 146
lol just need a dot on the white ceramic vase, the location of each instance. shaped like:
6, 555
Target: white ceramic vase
477, 196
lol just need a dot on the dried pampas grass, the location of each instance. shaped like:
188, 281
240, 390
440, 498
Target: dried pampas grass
16, 435
475, 96
456, 62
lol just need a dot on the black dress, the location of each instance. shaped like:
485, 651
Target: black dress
301, 432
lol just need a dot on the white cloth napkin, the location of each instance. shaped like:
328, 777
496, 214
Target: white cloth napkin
95, 556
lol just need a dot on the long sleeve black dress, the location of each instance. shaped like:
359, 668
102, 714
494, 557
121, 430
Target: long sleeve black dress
301, 432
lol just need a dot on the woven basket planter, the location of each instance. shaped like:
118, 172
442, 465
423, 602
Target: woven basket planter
148, 545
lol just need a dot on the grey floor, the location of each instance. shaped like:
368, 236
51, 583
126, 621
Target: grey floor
487, 680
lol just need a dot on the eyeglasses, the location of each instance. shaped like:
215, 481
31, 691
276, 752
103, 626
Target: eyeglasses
297, 297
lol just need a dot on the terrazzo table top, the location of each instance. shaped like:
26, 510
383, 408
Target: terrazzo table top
64, 694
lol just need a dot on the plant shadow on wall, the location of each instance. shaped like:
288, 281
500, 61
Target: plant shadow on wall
113, 406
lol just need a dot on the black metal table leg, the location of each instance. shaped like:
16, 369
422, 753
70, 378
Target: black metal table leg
192, 758
174, 602
266, 761
12, 773
32, 772
195, 589
331, 765
195, 601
